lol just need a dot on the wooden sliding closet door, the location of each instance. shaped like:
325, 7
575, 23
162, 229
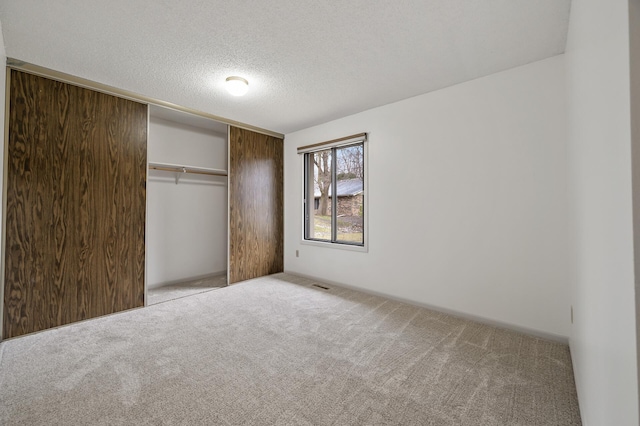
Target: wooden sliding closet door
256, 223
75, 213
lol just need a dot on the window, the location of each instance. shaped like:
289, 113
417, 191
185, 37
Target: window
334, 182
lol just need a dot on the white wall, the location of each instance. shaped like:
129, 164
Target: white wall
634, 50
467, 200
187, 222
603, 337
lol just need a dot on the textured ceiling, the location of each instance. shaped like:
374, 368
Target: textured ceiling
307, 61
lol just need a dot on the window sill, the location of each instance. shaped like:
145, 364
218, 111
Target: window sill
361, 249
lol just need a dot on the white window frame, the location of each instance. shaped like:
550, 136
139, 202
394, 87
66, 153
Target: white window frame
350, 140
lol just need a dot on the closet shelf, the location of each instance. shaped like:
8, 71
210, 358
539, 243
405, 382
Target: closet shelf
180, 169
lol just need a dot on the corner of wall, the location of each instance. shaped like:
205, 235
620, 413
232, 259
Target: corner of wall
3, 77
634, 68
602, 212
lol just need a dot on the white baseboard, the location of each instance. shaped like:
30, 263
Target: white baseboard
488, 321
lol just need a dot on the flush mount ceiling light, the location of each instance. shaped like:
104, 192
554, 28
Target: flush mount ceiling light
237, 86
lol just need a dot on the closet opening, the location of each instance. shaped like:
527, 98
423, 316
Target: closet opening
187, 205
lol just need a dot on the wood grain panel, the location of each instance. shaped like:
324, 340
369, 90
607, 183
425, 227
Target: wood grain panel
256, 219
75, 213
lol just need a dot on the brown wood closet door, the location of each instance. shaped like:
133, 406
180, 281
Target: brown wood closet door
256, 220
75, 213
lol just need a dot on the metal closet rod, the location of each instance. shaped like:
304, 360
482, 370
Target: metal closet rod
187, 169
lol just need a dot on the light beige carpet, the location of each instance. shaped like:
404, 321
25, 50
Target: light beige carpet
184, 289
278, 351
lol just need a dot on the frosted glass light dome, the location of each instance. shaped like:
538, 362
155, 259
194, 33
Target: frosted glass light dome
237, 86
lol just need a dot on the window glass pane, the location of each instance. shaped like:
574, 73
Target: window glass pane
350, 191
319, 226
